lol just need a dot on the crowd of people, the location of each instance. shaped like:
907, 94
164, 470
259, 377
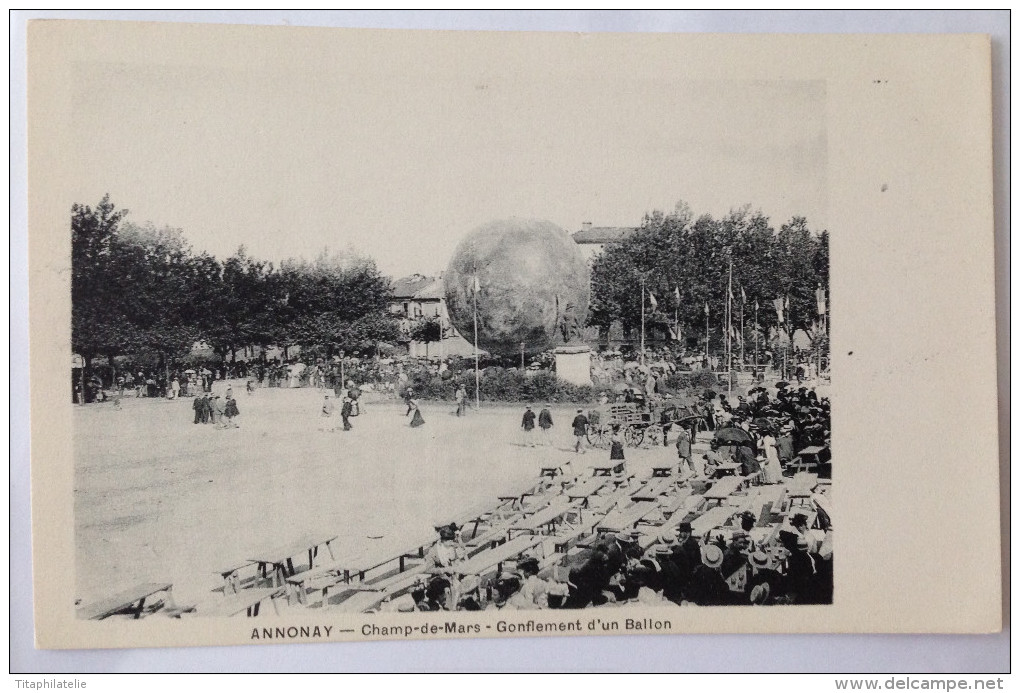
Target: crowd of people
725, 566
678, 569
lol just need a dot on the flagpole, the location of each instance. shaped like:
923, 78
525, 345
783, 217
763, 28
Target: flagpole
742, 360
474, 294
729, 332
756, 339
642, 321
706, 332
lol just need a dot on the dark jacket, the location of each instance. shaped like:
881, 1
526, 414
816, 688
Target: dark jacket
545, 419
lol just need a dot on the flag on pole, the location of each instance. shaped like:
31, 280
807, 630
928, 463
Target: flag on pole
706, 309
743, 296
475, 286
779, 309
756, 304
672, 334
651, 299
676, 294
820, 299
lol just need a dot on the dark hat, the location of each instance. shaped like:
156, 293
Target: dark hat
528, 566
788, 539
684, 527
449, 530
798, 519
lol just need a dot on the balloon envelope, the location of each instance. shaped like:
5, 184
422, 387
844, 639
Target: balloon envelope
532, 285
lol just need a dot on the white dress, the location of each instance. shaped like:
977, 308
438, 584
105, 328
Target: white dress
773, 469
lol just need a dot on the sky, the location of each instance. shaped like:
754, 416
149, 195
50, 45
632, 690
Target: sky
400, 154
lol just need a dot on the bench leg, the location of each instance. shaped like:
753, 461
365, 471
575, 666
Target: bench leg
141, 607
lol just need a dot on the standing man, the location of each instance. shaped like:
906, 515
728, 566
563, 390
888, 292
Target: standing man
461, 400
345, 413
545, 422
528, 424
199, 406
683, 451
580, 425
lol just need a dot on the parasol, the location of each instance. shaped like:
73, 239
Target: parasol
733, 436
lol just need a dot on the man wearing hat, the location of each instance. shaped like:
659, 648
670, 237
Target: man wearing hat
346, 411
687, 545
764, 584
528, 426
707, 586
545, 422
580, 425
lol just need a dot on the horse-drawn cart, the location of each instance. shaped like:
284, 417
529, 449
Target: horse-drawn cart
638, 423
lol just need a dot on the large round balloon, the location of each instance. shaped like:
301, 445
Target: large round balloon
532, 281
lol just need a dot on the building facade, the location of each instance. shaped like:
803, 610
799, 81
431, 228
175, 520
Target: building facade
417, 299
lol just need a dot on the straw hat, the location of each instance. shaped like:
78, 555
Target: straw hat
711, 556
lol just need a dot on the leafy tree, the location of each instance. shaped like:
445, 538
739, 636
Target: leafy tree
427, 330
98, 323
675, 252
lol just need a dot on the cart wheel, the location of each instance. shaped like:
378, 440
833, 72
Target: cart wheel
654, 434
632, 436
598, 436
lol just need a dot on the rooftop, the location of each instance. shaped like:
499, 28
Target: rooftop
407, 287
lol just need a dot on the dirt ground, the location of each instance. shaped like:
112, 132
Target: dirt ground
160, 498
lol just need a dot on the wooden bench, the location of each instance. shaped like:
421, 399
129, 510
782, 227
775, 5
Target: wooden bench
233, 582
653, 488
607, 469
545, 518
486, 561
707, 521
131, 600
246, 601
722, 489
282, 559
808, 459
626, 519
585, 490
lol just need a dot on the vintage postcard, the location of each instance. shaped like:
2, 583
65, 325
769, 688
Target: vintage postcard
345, 335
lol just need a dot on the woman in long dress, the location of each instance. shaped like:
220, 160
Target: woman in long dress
417, 419
773, 469
616, 454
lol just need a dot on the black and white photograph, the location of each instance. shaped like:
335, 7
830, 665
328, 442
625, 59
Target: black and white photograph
518, 333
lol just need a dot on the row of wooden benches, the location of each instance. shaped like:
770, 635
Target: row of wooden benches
547, 518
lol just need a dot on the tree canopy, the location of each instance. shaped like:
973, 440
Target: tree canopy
143, 289
677, 253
